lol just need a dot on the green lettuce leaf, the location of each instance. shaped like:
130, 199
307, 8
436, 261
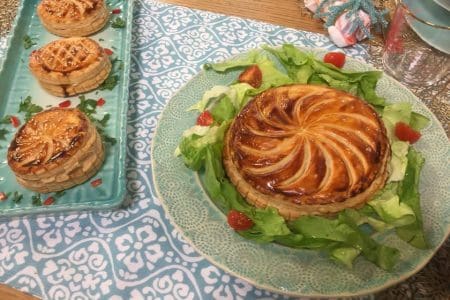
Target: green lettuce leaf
418, 121
193, 147
223, 110
409, 194
212, 95
388, 206
398, 162
247, 60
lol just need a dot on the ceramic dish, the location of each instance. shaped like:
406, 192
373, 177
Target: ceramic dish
438, 35
444, 3
17, 83
278, 268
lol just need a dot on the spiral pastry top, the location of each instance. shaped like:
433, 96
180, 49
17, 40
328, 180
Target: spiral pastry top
55, 150
307, 149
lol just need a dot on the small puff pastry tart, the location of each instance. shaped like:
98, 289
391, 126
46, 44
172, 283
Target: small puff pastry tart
307, 150
68, 18
71, 66
56, 150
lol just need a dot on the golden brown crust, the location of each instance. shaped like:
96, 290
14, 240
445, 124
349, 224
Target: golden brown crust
70, 18
70, 66
56, 149
307, 149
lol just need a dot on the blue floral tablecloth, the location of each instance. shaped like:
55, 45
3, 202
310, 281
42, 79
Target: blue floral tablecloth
136, 253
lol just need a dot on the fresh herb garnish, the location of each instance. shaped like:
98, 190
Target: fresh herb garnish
118, 23
28, 42
113, 78
29, 108
3, 133
17, 197
110, 82
89, 107
59, 194
6, 119
101, 40
36, 200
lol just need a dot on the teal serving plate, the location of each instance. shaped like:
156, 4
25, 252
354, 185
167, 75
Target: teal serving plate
17, 83
295, 272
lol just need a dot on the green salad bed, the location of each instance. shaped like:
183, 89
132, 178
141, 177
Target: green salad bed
349, 234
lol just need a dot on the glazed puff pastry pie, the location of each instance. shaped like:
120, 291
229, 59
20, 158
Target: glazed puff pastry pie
71, 66
68, 18
56, 150
307, 150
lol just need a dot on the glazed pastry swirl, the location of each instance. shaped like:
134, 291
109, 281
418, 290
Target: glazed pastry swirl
309, 144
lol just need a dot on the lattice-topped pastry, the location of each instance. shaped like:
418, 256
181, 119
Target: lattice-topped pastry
70, 66
55, 150
70, 18
307, 149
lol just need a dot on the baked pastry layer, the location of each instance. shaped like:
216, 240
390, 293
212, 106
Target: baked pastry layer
69, 18
307, 149
55, 150
70, 66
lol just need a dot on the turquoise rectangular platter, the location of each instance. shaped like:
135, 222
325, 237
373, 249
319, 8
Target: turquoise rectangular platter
16, 83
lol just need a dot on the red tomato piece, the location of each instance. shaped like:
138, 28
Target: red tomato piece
405, 133
14, 121
66, 103
49, 201
205, 119
238, 220
116, 11
96, 182
108, 52
3, 196
101, 102
335, 58
252, 75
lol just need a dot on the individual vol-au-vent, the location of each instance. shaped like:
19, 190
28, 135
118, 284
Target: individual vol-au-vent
70, 18
71, 66
307, 150
56, 150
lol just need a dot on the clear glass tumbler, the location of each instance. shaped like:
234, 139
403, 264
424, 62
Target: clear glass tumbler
415, 50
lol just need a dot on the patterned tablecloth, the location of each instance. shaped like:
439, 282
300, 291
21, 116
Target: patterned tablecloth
136, 252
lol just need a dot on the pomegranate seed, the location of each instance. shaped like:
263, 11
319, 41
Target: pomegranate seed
49, 201
108, 52
14, 121
66, 103
96, 182
101, 102
3, 196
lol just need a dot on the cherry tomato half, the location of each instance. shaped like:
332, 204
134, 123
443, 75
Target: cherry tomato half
205, 119
335, 58
238, 220
405, 133
116, 11
252, 75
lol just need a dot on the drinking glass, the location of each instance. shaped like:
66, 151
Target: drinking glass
416, 50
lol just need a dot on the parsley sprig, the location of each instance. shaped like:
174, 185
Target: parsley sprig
29, 108
36, 200
89, 107
113, 78
17, 197
118, 22
28, 41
